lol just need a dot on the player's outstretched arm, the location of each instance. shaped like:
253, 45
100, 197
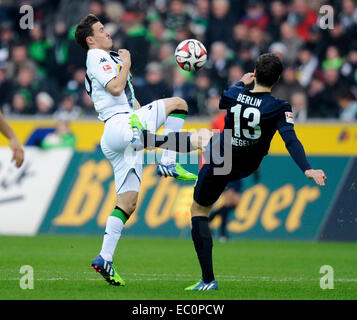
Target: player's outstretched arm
317, 175
297, 152
15, 145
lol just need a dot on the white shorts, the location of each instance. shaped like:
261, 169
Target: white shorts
116, 146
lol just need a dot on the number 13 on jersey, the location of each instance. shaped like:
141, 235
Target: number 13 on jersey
253, 131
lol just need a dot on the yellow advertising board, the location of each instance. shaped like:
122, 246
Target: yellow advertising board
317, 138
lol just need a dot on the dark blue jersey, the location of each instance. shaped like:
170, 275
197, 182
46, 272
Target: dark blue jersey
254, 118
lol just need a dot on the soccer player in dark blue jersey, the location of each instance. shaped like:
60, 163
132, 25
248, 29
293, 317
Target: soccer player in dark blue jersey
253, 117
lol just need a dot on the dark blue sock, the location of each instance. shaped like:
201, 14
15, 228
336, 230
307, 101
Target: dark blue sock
202, 240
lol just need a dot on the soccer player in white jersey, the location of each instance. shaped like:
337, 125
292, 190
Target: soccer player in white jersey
109, 84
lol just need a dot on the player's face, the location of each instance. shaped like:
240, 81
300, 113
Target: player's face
101, 39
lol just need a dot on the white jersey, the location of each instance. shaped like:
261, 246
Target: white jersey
101, 68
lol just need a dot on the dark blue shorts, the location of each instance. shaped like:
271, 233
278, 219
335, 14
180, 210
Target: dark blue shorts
236, 185
210, 186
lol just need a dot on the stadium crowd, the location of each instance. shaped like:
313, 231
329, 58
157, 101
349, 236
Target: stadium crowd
42, 69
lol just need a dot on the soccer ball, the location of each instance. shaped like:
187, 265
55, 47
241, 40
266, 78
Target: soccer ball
191, 55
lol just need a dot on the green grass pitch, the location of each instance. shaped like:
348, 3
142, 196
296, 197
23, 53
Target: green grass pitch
159, 269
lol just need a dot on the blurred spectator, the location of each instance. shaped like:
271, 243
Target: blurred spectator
68, 110
61, 138
323, 92
86, 104
240, 36
302, 18
19, 59
334, 85
96, 7
213, 101
27, 85
70, 12
135, 40
278, 13
40, 50
157, 35
166, 57
307, 65
280, 50
299, 106
317, 42
255, 15
333, 59
316, 99
182, 34
287, 85
154, 87
44, 104
217, 64
202, 85
221, 22
259, 41
176, 17
291, 42
348, 16
348, 106
200, 18
244, 57
349, 68
184, 89
150, 30
76, 84
5, 90
61, 43
235, 73
7, 39
20, 105
337, 37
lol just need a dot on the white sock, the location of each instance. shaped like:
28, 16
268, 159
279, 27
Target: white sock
172, 124
112, 235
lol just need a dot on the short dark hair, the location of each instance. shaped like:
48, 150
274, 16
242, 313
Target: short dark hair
268, 68
84, 30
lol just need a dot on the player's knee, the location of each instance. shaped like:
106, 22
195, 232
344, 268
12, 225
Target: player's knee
131, 207
180, 104
198, 210
128, 204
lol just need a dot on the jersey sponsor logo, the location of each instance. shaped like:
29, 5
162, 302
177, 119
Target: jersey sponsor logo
289, 116
107, 68
102, 60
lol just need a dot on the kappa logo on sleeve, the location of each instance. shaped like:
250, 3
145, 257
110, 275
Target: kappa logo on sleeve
107, 68
289, 116
102, 60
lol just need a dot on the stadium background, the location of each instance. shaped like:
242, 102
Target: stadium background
70, 190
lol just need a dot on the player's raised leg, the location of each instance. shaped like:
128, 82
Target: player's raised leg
176, 112
177, 141
171, 113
